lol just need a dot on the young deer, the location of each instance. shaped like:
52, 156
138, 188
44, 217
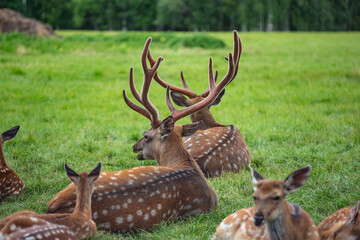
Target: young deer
10, 183
215, 147
141, 197
28, 227
79, 221
272, 217
343, 224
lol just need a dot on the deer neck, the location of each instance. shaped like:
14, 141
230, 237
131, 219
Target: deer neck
207, 118
2, 156
282, 227
174, 153
83, 202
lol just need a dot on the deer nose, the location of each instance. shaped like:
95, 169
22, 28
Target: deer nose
259, 219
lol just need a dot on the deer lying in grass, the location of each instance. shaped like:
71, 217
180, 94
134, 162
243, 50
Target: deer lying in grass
215, 147
343, 224
141, 197
272, 217
28, 227
10, 183
79, 221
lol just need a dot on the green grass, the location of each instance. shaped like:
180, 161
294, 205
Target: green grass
296, 100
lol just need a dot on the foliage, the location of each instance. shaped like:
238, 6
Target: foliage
295, 100
247, 15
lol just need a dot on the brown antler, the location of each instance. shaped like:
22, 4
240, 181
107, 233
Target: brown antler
150, 111
186, 90
214, 91
237, 54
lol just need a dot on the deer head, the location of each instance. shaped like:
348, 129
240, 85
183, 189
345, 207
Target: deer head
351, 229
164, 137
179, 94
269, 195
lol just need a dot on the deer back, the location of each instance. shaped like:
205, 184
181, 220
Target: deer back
218, 150
29, 227
142, 197
10, 182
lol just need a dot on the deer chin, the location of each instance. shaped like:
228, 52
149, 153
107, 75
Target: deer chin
140, 156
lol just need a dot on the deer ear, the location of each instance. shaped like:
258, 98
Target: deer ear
10, 134
166, 127
218, 98
190, 129
95, 173
296, 179
179, 99
354, 212
255, 177
72, 175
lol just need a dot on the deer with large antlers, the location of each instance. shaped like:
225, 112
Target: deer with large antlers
272, 218
141, 197
343, 224
79, 221
10, 183
29, 227
216, 148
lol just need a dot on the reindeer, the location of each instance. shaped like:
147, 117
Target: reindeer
343, 224
10, 183
79, 221
139, 198
272, 218
28, 227
215, 147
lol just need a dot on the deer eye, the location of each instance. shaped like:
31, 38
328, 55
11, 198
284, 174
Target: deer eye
277, 198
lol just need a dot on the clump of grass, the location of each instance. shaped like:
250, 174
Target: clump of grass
197, 41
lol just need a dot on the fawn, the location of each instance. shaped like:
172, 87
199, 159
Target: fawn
139, 198
10, 183
272, 217
215, 147
343, 224
29, 227
79, 221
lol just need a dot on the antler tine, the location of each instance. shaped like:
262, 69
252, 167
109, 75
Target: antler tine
214, 91
236, 58
135, 107
157, 78
168, 101
148, 75
132, 86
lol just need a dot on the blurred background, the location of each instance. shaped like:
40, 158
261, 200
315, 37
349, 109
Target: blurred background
193, 15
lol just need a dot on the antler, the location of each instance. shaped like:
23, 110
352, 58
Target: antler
214, 91
237, 54
150, 111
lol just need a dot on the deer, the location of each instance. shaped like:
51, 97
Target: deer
28, 227
80, 220
217, 148
272, 217
343, 224
10, 182
141, 197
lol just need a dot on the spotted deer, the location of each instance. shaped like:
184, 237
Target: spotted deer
10, 183
79, 221
215, 147
29, 227
139, 198
272, 218
343, 224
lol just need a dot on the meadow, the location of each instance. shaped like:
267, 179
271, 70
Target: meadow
296, 100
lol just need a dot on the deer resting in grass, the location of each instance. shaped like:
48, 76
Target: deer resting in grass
215, 147
10, 183
29, 227
272, 218
139, 198
79, 221
344, 224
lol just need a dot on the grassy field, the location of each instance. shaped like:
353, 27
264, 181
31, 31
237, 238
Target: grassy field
296, 100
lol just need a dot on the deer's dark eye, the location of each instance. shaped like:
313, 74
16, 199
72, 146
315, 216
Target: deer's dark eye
277, 198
